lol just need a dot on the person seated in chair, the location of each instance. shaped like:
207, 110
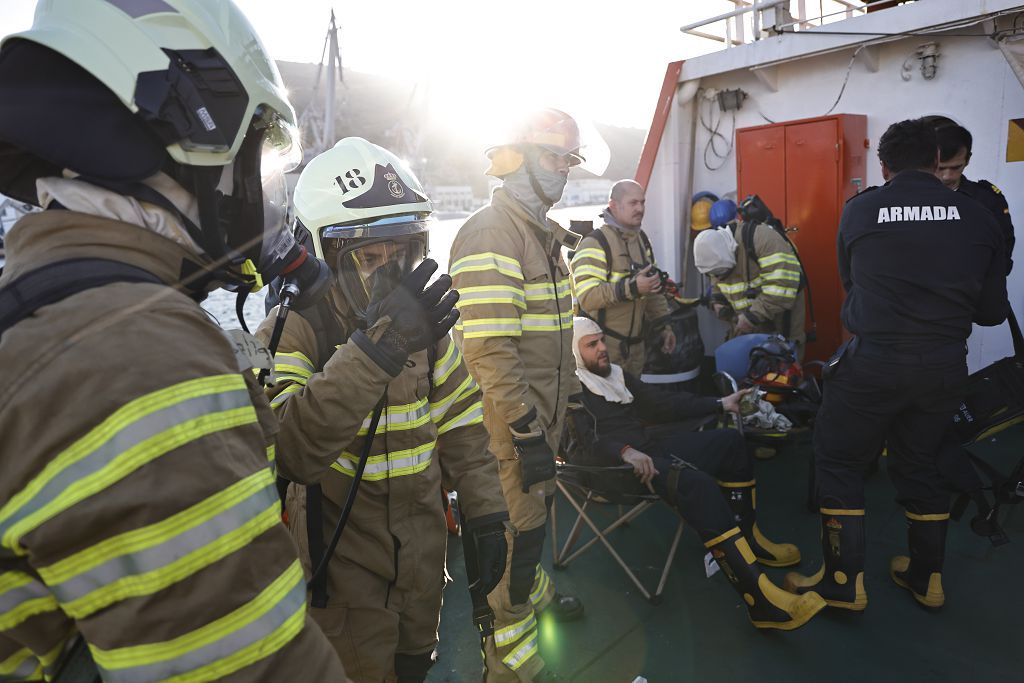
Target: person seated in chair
706, 475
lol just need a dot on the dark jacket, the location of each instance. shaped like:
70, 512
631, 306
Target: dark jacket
993, 199
919, 263
626, 424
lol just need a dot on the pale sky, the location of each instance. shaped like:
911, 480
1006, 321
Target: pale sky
599, 59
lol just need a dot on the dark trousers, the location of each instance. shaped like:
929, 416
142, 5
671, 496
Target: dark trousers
701, 460
875, 398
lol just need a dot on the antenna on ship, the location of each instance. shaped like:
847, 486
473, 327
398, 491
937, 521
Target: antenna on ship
317, 120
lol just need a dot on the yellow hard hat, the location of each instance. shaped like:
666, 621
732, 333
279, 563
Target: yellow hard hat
700, 214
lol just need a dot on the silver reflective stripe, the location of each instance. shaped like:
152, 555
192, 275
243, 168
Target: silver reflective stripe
473, 414
510, 634
17, 589
526, 649
152, 559
381, 467
124, 439
398, 417
270, 621
439, 408
19, 666
444, 367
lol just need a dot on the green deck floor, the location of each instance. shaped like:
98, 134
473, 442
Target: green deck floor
700, 631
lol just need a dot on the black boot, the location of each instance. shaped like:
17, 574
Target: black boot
921, 573
840, 581
769, 606
742, 497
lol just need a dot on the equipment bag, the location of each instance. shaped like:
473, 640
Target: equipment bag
994, 399
689, 349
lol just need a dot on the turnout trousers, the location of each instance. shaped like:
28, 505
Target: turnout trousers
877, 398
512, 653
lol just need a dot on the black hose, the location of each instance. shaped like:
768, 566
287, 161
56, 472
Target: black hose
351, 499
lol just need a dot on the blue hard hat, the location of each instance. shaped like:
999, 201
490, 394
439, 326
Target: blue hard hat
722, 212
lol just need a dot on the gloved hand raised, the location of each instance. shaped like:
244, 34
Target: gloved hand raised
407, 318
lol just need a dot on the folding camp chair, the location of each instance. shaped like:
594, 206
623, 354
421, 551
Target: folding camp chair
587, 486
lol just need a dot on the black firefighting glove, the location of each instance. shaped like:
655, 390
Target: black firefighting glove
406, 318
491, 553
536, 461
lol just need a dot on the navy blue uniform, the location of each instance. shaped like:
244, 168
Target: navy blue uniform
991, 197
919, 263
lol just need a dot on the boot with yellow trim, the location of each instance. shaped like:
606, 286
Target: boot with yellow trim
742, 498
768, 605
921, 573
840, 581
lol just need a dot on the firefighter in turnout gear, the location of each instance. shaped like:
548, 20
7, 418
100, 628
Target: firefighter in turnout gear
138, 513
368, 217
623, 294
755, 276
515, 333
902, 375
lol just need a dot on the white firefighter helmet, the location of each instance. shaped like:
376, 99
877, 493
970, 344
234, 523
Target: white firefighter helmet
130, 83
366, 214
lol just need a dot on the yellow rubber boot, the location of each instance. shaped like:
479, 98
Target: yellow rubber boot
768, 605
840, 581
921, 573
742, 497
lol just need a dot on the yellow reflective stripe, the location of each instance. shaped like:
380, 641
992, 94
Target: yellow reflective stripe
542, 582
490, 327
513, 632
150, 582
393, 464
271, 453
541, 322
724, 537
474, 263
497, 294
842, 512
439, 408
21, 666
155, 534
734, 288
22, 597
741, 304
567, 317
545, 290
133, 436
249, 612
285, 393
261, 649
586, 286
784, 292
778, 257
590, 252
293, 362
584, 271
782, 274
518, 656
474, 414
446, 365
927, 518
399, 417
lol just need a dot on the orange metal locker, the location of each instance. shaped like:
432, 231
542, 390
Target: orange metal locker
805, 171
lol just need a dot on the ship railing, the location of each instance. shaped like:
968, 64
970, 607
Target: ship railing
756, 19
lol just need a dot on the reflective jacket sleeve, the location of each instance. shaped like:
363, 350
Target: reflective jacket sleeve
320, 412
779, 276
595, 284
156, 531
466, 464
491, 304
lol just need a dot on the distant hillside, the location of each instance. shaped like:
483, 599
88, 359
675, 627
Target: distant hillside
382, 111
